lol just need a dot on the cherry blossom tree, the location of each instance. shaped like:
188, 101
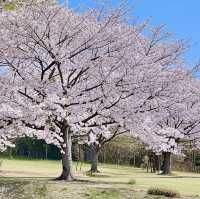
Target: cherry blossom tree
62, 70
146, 81
71, 73
96, 140
176, 122
8, 128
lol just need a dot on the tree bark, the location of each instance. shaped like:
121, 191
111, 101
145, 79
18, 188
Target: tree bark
94, 159
166, 167
155, 163
67, 155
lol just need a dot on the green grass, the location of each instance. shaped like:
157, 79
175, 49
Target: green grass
103, 194
132, 181
34, 177
13, 188
41, 191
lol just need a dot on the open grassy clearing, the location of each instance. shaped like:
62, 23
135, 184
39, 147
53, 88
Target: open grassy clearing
32, 179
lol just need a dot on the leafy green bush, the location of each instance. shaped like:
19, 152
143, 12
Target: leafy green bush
132, 181
163, 191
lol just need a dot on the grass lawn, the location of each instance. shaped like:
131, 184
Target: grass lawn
29, 179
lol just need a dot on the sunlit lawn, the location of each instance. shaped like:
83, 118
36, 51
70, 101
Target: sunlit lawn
114, 180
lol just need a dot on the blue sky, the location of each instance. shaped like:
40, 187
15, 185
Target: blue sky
181, 17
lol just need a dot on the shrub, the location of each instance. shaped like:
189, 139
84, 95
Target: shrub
132, 181
164, 192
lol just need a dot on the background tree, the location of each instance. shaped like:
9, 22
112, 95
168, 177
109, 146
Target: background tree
97, 142
176, 123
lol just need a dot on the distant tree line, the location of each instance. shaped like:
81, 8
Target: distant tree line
122, 150
33, 149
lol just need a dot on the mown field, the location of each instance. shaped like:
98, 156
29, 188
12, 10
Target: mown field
33, 179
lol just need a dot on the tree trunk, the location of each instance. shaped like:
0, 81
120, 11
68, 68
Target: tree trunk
67, 155
166, 167
94, 159
46, 151
155, 163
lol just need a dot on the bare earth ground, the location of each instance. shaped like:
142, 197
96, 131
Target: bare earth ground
33, 179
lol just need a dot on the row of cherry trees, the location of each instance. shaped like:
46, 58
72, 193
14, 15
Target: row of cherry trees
91, 76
